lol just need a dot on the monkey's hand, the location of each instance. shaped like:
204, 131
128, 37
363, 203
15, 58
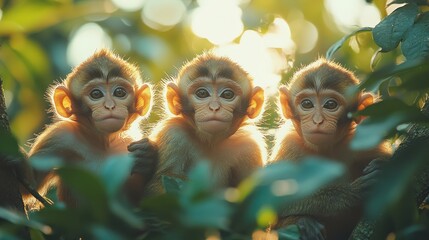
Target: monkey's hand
145, 154
371, 174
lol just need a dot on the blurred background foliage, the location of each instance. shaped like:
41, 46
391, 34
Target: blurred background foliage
386, 45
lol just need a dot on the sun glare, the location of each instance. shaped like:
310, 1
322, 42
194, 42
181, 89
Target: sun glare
85, 41
129, 5
352, 13
264, 56
219, 21
163, 14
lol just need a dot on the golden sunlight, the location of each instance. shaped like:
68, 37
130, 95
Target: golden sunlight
163, 14
264, 56
85, 41
219, 21
352, 13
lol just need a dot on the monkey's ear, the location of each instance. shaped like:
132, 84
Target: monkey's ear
62, 101
284, 102
365, 99
256, 102
173, 99
143, 100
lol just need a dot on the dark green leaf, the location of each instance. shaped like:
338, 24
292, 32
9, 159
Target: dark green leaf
397, 178
101, 232
390, 31
418, 2
45, 163
88, 189
416, 41
19, 219
385, 116
334, 47
377, 77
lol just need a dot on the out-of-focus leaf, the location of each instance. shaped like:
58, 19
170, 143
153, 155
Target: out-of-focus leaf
290, 232
416, 41
21, 220
334, 47
385, 116
62, 219
211, 213
171, 184
397, 178
115, 171
200, 180
418, 2
101, 232
126, 214
390, 31
8, 236
45, 163
164, 205
283, 182
377, 77
88, 188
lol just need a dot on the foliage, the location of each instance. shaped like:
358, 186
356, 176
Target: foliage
405, 88
188, 210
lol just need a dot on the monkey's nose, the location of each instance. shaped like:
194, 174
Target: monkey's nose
214, 106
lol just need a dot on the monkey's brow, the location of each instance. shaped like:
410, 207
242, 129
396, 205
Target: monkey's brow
115, 73
204, 71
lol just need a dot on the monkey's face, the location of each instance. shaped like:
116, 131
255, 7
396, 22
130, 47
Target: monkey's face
319, 114
214, 104
110, 102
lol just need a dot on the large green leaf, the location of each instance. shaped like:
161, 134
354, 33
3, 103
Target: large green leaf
397, 178
211, 213
390, 31
21, 220
114, 171
281, 183
8, 144
416, 41
385, 116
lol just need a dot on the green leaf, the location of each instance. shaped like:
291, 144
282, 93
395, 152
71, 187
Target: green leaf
171, 184
213, 213
103, 232
383, 119
115, 171
416, 41
290, 232
334, 47
389, 32
45, 163
398, 177
21, 220
418, 2
87, 188
377, 77
283, 182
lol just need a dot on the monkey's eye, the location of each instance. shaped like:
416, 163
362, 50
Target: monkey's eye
120, 92
96, 94
306, 104
202, 93
227, 94
330, 104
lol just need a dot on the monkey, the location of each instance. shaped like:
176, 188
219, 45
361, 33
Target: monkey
94, 107
213, 107
316, 103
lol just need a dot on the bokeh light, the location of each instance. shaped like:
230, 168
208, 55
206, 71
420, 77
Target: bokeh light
129, 5
85, 41
352, 13
163, 14
264, 56
219, 21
